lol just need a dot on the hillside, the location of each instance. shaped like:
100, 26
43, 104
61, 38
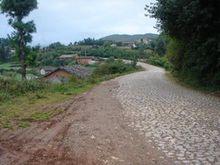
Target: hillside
130, 38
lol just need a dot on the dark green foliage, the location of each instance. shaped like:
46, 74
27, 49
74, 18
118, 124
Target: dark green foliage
91, 42
159, 45
108, 51
5, 48
130, 38
48, 56
32, 57
56, 45
18, 8
48, 59
113, 67
194, 27
157, 60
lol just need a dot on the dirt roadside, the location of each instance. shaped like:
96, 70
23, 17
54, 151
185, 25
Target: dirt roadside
91, 131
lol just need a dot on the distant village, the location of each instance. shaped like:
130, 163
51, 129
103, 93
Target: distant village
56, 63
62, 74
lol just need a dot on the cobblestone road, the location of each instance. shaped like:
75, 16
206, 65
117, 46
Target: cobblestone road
182, 123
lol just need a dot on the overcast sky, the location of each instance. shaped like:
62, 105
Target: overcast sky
73, 20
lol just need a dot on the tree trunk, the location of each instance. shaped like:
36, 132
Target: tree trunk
23, 67
22, 57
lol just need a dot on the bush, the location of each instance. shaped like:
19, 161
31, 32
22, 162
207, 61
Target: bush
112, 66
10, 88
157, 60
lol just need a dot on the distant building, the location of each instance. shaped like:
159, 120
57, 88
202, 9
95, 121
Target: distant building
134, 46
12, 51
63, 74
128, 45
85, 60
143, 40
67, 57
47, 69
113, 45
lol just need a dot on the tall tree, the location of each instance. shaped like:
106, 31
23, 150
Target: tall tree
17, 10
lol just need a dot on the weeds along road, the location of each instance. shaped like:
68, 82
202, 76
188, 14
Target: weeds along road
138, 119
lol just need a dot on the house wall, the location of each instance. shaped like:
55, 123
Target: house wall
84, 61
59, 76
67, 59
42, 72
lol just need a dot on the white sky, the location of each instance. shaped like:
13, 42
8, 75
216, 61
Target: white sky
72, 20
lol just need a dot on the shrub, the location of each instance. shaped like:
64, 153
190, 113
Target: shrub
159, 61
113, 67
11, 88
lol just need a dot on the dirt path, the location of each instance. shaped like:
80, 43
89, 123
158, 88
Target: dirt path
92, 131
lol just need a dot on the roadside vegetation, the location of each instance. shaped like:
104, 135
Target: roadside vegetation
21, 102
192, 52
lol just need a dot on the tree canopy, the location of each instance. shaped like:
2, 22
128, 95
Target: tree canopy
18, 8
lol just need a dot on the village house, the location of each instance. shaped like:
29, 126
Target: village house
85, 60
82, 60
68, 57
113, 45
63, 74
47, 69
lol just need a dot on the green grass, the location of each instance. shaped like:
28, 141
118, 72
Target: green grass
24, 124
42, 116
23, 110
9, 66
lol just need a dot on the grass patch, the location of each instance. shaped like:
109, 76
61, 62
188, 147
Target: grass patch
7, 124
23, 124
43, 116
21, 111
28, 109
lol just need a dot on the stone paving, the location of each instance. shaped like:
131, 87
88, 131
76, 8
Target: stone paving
182, 123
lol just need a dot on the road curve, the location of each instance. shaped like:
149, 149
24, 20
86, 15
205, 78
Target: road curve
181, 122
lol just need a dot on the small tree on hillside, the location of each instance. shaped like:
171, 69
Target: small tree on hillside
17, 10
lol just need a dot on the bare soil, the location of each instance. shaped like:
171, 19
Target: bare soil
91, 131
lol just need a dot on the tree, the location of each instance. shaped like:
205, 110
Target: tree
4, 49
56, 45
17, 10
160, 44
194, 26
91, 42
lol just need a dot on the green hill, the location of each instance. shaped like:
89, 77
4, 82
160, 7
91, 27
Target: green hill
130, 38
